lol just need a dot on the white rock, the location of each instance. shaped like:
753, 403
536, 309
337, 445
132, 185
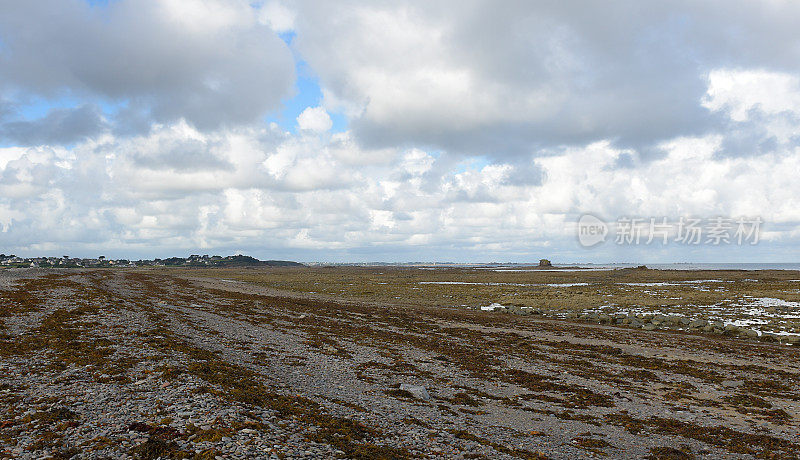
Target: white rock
418, 391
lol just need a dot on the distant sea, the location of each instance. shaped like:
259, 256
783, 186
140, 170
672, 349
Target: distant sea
692, 266
574, 266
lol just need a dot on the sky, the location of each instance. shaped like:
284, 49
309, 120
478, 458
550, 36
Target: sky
463, 131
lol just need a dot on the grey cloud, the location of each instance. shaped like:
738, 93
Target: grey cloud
6, 109
182, 156
751, 137
199, 67
59, 126
524, 173
632, 72
132, 120
746, 142
624, 160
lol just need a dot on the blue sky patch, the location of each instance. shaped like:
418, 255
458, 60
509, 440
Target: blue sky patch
308, 93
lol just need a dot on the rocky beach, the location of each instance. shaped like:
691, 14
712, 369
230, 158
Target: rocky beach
194, 364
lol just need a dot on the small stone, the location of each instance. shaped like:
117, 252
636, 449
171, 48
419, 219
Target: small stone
730, 328
698, 323
418, 391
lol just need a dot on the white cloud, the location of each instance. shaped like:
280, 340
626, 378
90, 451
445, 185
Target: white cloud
277, 16
203, 16
9, 154
293, 192
417, 162
739, 91
471, 146
314, 119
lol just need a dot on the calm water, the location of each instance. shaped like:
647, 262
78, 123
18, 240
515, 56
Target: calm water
571, 267
686, 266
747, 266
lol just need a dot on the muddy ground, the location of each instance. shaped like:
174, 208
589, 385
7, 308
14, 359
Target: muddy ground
183, 364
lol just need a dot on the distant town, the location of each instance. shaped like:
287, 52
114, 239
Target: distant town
194, 260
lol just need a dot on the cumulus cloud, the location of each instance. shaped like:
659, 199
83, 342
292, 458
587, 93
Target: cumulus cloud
762, 110
475, 132
59, 126
738, 92
277, 16
265, 190
473, 77
314, 119
210, 62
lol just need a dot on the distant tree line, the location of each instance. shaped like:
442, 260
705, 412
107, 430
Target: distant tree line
194, 260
